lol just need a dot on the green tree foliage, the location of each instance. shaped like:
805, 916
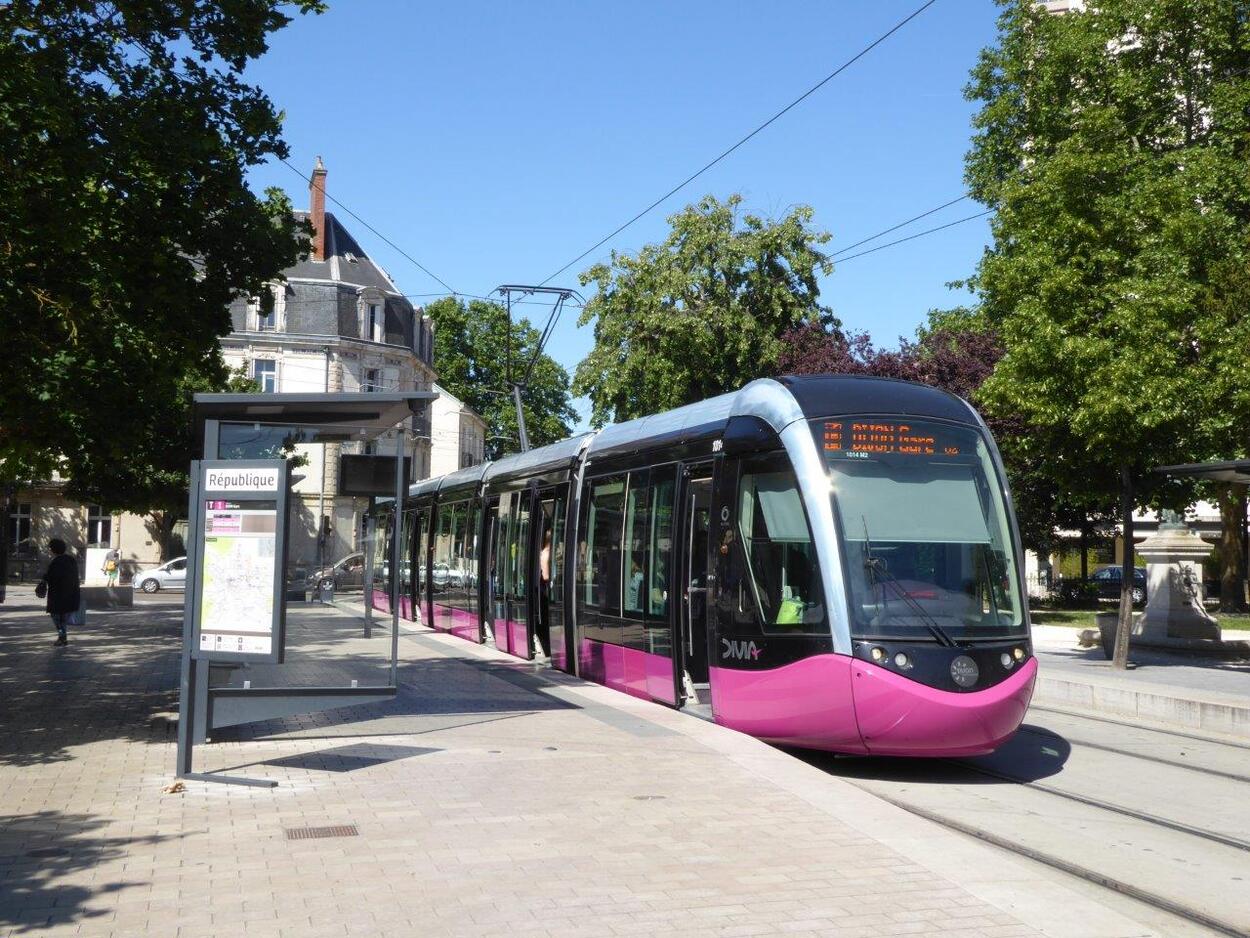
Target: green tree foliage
702, 313
1113, 144
126, 227
471, 353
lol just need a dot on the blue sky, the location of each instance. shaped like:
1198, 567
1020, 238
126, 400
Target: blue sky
496, 141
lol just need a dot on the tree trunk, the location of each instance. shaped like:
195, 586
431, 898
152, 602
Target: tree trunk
1083, 543
1124, 626
168, 519
6, 498
1232, 503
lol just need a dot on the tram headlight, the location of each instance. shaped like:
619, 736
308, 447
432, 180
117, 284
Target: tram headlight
902, 661
1007, 660
878, 654
1018, 654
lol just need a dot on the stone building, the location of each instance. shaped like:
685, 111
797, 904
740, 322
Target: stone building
338, 323
458, 435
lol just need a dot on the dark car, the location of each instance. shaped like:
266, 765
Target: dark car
346, 574
1107, 582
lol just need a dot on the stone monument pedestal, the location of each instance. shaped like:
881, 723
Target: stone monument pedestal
1174, 609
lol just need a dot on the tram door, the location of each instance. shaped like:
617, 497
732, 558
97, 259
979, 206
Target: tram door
420, 556
512, 562
548, 574
696, 517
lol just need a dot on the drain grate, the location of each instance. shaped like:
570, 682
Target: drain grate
315, 833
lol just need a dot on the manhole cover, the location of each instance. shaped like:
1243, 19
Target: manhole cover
315, 833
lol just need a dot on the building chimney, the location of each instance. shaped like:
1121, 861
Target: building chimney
317, 210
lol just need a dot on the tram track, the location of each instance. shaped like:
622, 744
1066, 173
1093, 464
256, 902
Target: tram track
1099, 804
1152, 899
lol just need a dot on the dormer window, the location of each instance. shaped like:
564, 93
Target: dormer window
375, 323
265, 321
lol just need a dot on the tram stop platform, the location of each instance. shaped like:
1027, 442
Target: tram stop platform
1163, 689
489, 798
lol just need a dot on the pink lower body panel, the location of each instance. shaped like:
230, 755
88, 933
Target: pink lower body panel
898, 717
459, 622
637, 673
807, 703
381, 601
511, 637
841, 704
405, 608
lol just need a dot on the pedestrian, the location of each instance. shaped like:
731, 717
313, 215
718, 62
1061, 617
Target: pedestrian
112, 561
60, 585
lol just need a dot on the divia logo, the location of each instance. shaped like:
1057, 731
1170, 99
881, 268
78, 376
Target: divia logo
742, 651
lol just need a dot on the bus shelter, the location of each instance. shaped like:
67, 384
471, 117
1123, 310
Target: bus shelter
284, 558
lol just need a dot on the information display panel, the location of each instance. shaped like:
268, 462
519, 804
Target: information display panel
241, 561
868, 437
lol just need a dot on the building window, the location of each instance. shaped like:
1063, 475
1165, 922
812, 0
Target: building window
265, 321
373, 381
99, 527
19, 526
374, 323
265, 373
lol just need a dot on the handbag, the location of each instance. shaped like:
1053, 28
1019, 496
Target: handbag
41, 589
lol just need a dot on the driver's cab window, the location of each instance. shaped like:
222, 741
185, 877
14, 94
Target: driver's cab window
782, 573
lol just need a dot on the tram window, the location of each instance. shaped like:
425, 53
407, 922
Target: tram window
661, 544
601, 570
518, 549
467, 556
781, 559
556, 562
635, 557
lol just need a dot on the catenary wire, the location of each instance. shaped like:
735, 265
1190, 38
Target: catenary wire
919, 234
695, 175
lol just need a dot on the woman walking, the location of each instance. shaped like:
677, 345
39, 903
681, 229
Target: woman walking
60, 585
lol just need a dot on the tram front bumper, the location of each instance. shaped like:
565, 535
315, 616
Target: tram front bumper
900, 717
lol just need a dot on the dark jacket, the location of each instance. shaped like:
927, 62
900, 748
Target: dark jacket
62, 578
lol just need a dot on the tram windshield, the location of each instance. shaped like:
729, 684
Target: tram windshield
925, 534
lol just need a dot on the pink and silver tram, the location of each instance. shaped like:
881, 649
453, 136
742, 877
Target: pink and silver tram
828, 561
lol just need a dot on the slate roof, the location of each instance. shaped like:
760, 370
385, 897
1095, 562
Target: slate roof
346, 261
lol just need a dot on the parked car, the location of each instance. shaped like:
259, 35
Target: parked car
168, 576
346, 574
1107, 581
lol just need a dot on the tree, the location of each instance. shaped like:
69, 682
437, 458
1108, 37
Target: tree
471, 349
702, 313
126, 226
1113, 144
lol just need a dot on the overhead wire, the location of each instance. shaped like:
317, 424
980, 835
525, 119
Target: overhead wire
695, 175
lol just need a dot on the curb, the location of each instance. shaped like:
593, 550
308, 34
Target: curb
1148, 703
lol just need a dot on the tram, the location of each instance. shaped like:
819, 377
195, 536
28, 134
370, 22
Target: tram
829, 562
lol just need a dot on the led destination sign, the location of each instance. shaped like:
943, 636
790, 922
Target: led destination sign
866, 437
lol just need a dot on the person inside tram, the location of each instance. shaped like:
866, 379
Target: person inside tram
542, 628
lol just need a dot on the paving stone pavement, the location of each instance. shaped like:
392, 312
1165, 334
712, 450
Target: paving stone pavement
488, 799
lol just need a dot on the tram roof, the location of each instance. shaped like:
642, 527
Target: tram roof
540, 459
829, 395
466, 476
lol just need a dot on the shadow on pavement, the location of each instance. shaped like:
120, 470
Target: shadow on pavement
1029, 756
117, 679
39, 852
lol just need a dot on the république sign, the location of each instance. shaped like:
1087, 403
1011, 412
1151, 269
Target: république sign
241, 480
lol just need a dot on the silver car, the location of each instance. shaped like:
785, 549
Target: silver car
168, 576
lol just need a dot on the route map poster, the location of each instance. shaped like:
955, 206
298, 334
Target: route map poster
238, 571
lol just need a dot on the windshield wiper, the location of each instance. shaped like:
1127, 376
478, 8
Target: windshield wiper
876, 567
